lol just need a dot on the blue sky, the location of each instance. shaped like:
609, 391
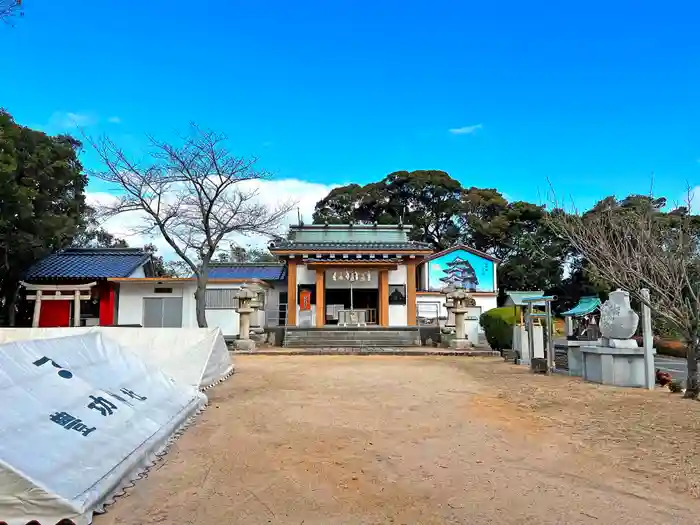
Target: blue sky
594, 97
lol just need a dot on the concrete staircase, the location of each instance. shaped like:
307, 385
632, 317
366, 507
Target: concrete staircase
350, 337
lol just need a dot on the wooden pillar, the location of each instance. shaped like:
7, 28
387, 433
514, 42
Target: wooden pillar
291, 293
37, 309
76, 308
320, 297
383, 297
411, 293
107, 299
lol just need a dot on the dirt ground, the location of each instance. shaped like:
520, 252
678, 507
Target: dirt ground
423, 440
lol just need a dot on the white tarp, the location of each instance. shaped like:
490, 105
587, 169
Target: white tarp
80, 417
193, 356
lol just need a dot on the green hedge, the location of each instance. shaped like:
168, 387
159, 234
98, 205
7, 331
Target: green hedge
498, 326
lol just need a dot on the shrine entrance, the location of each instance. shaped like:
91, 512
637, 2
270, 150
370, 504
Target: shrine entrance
337, 299
351, 297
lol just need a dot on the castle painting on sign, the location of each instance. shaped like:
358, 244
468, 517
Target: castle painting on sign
461, 269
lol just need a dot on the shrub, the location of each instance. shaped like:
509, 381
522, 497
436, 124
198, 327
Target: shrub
676, 387
498, 327
669, 347
673, 348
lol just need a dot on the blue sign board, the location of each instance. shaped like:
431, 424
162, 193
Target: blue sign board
462, 269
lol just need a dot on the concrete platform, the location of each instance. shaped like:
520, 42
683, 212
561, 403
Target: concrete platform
416, 351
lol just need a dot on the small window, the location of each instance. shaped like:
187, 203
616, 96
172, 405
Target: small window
221, 298
397, 294
162, 290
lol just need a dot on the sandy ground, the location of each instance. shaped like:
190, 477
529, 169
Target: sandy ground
423, 440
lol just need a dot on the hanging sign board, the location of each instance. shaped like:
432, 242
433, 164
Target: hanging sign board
305, 300
353, 276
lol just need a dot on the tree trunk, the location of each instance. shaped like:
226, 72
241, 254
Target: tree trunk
12, 307
692, 388
200, 297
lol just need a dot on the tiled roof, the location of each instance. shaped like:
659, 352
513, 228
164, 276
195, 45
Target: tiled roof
349, 237
262, 271
320, 246
88, 263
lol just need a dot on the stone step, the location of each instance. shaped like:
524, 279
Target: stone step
341, 343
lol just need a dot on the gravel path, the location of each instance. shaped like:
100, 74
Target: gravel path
408, 440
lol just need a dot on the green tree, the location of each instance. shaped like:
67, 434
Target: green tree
443, 213
42, 202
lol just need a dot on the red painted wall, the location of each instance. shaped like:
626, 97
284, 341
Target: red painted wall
54, 313
107, 292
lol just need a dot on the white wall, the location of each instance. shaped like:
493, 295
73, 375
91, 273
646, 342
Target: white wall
304, 275
138, 272
227, 319
398, 313
484, 302
131, 295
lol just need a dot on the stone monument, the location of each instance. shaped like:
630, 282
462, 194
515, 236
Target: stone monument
461, 302
245, 297
618, 322
618, 360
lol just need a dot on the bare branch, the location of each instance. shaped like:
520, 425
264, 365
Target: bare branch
635, 247
10, 8
195, 194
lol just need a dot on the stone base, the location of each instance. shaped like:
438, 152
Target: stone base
244, 344
460, 344
614, 366
619, 343
575, 360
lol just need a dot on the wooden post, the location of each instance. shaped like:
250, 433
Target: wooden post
648, 339
411, 294
320, 297
76, 308
383, 297
37, 309
291, 293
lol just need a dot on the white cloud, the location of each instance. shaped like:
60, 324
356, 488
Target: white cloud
270, 192
466, 130
114, 120
435, 266
62, 121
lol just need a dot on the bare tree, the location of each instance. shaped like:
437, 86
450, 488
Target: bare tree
9, 8
195, 194
641, 247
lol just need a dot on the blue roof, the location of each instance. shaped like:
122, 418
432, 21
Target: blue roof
262, 271
88, 263
585, 306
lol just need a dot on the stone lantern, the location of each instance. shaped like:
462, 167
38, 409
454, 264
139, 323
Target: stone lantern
257, 331
449, 326
245, 297
461, 301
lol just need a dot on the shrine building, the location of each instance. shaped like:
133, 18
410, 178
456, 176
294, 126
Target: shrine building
374, 275
327, 276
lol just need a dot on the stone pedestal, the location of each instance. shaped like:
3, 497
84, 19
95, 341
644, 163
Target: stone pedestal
572, 348
521, 341
613, 366
461, 303
244, 342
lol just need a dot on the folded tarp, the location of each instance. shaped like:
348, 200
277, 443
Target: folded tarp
194, 356
81, 417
